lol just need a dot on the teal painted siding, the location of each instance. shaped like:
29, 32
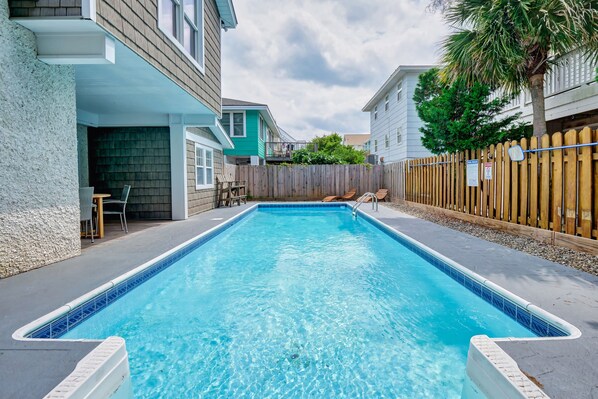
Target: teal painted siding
251, 144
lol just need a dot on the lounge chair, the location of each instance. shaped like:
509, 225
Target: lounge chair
348, 196
380, 194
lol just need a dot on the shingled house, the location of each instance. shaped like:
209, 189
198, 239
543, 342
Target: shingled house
105, 93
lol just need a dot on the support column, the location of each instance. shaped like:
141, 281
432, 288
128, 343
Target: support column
178, 170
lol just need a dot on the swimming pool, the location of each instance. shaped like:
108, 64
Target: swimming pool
301, 301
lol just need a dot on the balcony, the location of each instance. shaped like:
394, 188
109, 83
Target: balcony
282, 151
569, 90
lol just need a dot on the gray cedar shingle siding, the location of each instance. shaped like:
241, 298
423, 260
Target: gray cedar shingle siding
44, 8
135, 23
201, 200
139, 156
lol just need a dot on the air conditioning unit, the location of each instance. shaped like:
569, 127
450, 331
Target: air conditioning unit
372, 159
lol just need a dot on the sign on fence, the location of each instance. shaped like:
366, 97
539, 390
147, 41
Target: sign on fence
472, 173
488, 171
554, 190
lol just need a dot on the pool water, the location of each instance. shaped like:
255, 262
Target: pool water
297, 303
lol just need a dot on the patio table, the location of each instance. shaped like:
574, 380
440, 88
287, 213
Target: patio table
99, 200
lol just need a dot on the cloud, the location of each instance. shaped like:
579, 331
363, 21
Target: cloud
317, 62
305, 60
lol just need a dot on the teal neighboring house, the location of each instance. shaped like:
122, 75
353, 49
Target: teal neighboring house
252, 129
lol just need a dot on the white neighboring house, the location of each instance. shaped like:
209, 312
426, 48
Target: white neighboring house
571, 94
394, 123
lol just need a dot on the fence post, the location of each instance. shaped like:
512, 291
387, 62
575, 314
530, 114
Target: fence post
585, 184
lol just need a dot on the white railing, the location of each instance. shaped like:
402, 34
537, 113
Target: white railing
570, 71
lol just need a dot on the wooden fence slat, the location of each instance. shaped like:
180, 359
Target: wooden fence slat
533, 183
585, 184
499, 182
545, 184
482, 156
514, 190
467, 189
523, 185
492, 182
557, 183
506, 198
595, 191
570, 183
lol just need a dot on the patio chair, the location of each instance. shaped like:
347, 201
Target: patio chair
346, 197
118, 207
86, 208
230, 190
380, 194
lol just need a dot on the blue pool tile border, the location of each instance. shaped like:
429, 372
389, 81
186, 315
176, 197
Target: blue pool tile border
521, 315
61, 325
340, 205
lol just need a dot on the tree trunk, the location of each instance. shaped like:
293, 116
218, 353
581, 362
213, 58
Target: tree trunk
536, 88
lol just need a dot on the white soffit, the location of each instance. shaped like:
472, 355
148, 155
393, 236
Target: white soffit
132, 86
226, 9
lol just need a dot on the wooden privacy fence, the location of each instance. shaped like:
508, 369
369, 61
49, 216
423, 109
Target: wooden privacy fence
394, 180
554, 190
309, 182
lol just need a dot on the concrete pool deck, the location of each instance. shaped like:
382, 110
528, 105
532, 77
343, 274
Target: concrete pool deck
567, 369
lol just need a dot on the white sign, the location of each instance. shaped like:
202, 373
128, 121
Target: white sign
472, 173
488, 170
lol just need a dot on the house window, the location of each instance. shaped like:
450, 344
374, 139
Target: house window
233, 123
263, 129
386, 103
399, 136
182, 22
204, 167
375, 112
375, 145
399, 90
386, 141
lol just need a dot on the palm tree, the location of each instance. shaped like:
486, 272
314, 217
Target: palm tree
513, 43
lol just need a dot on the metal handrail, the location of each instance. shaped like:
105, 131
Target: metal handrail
360, 201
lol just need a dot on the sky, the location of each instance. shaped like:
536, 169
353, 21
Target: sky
316, 63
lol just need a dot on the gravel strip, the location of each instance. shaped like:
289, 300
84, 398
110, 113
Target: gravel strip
565, 256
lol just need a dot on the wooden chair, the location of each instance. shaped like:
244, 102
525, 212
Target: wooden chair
230, 191
346, 197
380, 194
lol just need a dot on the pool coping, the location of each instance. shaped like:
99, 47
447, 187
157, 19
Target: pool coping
191, 244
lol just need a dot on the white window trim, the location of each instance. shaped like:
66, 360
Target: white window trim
399, 134
386, 103
202, 31
231, 127
263, 123
375, 112
205, 149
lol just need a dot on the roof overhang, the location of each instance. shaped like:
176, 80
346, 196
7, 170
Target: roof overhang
227, 14
222, 136
396, 76
263, 110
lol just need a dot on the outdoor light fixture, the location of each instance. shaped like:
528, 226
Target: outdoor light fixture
517, 154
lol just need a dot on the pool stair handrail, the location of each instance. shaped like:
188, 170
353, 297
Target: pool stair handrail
362, 199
